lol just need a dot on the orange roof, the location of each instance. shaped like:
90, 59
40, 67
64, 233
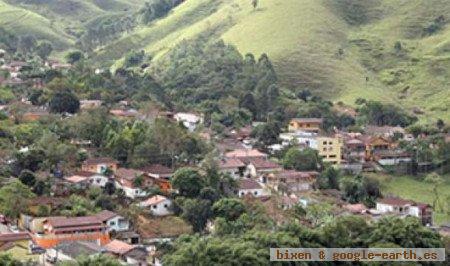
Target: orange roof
153, 200
118, 247
231, 163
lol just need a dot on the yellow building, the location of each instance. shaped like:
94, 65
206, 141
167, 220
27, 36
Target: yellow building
330, 149
305, 124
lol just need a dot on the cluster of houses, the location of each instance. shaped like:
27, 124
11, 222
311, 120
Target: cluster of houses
355, 152
15, 70
62, 238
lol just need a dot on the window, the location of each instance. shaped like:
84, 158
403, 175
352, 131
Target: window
136, 191
324, 149
165, 206
154, 206
112, 223
330, 143
324, 143
256, 192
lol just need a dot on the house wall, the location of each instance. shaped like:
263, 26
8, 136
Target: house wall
384, 208
98, 168
330, 149
132, 192
255, 192
50, 240
161, 209
393, 161
98, 180
118, 224
295, 125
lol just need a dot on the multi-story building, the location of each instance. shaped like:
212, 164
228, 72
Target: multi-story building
60, 229
305, 124
330, 149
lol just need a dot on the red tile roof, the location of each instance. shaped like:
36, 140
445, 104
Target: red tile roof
105, 215
118, 247
231, 163
64, 222
292, 174
128, 174
14, 236
248, 183
260, 163
395, 201
157, 169
153, 200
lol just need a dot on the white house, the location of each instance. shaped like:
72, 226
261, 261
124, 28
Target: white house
308, 139
232, 166
189, 120
85, 178
249, 186
158, 205
125, 179
114, 221
404, 207
98, 180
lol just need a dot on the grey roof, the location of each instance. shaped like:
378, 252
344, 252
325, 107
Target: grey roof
75, 249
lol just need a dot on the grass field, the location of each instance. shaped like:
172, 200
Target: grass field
303, 38
411, 188
341, 49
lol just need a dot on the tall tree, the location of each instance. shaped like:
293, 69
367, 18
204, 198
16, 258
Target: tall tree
188, 181
44, 49
64, 102
14, 199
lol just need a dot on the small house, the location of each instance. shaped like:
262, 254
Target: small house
114, 221
402, 207
247, 186
232, 166
189, 120
99, 165
127, 179
305, 124
158, 205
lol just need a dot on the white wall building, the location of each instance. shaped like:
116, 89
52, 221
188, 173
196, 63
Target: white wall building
158, 205
189, 120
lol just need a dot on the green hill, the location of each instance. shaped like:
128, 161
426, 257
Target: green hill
390, 50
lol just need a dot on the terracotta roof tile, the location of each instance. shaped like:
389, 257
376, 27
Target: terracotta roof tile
248, 183
118, 247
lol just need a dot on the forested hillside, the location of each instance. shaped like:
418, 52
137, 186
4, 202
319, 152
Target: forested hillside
389, 50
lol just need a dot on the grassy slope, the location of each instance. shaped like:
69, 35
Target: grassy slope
303, 37
22, 21
413, 189
57, 20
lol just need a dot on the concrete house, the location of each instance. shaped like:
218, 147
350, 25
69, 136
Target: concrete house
305, 124
61, 229
125, 179
257, 167
158, 205
330, 149
232, 166
99, 165
251, 187
114, 221
189, 120
402, 207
